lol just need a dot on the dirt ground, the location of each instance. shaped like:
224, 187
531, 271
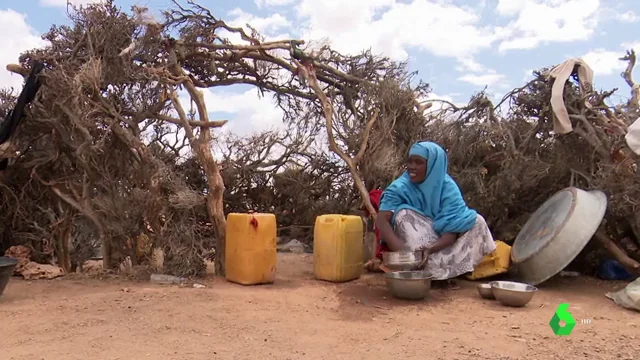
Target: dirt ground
300, 318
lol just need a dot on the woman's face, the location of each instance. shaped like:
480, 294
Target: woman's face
417, 168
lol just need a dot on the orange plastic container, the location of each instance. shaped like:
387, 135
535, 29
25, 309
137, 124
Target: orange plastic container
250, 254
493, 264
338, 247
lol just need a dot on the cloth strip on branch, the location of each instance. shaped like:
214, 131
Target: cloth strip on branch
561, 73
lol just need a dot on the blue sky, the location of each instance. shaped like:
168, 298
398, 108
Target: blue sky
458, 46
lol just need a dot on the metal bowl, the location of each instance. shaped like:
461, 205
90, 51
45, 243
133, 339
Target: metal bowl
486, 292
408, 285
402, 260
556, 233
513, 294
7, 264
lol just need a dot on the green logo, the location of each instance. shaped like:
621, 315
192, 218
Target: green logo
562, 314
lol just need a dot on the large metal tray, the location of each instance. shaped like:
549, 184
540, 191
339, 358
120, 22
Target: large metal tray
556, 233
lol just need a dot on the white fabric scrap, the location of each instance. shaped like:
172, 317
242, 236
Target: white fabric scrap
561, 73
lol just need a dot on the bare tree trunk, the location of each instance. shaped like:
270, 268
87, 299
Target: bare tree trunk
215, 204
352, 163
201, 147
85, 209
62, 240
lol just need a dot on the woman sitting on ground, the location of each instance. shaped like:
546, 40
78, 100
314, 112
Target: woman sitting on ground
424, 209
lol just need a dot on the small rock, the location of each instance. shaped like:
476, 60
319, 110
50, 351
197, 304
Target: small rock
515, 327
34, 271
92, 267
199, 286
293, 246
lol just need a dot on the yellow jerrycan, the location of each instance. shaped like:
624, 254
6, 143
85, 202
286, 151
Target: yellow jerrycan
338, 247
250, 253
493, 264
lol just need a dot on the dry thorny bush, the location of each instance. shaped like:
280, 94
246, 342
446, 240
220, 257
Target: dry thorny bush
102, 152
84, 176
97, 165
297, 185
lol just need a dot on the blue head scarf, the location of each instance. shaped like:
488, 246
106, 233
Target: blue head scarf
437, 197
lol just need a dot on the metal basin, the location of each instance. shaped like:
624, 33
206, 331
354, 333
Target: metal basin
408, 285
511, 293
556, 233
486, 292
402, 260
7, 264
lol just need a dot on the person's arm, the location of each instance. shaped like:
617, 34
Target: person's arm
443, 242
383, 223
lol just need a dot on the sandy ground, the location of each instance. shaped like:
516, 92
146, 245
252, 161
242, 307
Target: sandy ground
300, 318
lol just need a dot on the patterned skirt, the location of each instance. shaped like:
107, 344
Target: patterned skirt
460, 258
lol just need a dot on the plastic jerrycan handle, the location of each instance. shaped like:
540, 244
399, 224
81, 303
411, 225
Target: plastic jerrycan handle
327, 219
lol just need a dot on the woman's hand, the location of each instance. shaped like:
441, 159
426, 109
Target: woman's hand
372, 265
383, 222
426, 251
443, 242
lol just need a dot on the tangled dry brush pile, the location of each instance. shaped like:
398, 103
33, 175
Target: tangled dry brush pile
116, 146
